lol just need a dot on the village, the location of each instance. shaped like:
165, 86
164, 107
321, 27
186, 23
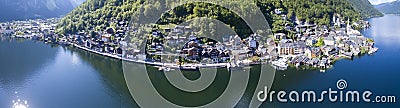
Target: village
107, 41
312, 46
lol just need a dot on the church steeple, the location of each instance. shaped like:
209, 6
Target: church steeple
348, 26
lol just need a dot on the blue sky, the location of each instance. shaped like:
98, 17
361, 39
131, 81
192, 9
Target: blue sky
375, 2
76, 2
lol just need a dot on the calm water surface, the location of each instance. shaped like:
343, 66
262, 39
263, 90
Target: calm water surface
56, 77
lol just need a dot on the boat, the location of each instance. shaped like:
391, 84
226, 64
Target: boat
297, 64
163, 68
63, 42
280, 64
191, 68
233, 66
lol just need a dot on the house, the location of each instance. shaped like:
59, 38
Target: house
178, 29
323, 63
253, 43
225, 56
1, 28
279, 36
291, 48
187, 29
360, 41
8, 31
326, 50
236, 42
214, 55
307, 52
330, 41
348, 54
278, 11
313, 62
356, 51
285, 48
106, 37
312, 52
88, 43
336, 20
305, 28
271, 50
120, 33
286, 41
299, 48
167, 30
302, 38
271, 42
311, 41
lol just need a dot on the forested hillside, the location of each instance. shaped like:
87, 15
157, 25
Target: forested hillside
389, 8
366, 8
97, 15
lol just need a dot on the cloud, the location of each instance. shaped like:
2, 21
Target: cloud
76, 3
51, 5
375, 2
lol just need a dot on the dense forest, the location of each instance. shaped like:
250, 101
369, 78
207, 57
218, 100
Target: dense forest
98, 15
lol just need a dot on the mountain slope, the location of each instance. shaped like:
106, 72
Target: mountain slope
389, 8
366, 8
97, 15
27, 9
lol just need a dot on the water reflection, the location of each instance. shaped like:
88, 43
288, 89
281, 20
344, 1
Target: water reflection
59, 77
385, 30
111, 73
20, 59
19, 103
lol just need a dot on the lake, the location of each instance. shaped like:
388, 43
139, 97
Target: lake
48, 76
56, 77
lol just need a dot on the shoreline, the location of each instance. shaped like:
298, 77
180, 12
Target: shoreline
113, 56
168, 65
309, 51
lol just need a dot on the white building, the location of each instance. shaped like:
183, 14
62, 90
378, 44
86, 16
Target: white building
291, 48
279, 36
106, 37
329, 41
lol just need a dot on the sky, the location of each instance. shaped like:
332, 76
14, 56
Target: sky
75, 3
375, 2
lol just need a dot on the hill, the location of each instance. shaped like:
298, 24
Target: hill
98, 15
389, 8
29, 9
366, 8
